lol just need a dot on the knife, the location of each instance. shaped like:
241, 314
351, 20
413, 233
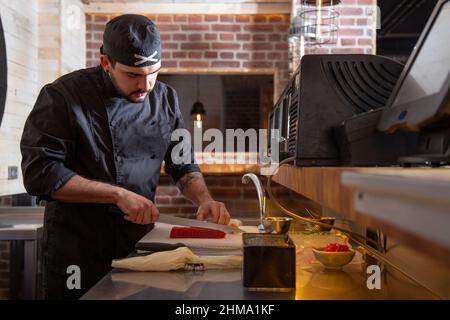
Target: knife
165, 218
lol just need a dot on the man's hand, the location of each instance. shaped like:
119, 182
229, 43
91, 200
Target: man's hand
214, 209
193, 186
137, 208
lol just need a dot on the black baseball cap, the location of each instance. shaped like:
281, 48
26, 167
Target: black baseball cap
132, 40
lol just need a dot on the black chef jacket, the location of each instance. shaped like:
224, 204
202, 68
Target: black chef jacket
81, 125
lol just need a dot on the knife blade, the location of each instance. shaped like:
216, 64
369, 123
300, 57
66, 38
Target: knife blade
165, 218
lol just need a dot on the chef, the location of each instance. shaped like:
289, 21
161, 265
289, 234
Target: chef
96, 139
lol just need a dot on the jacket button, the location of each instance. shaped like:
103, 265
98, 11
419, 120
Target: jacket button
118, 158
152, 156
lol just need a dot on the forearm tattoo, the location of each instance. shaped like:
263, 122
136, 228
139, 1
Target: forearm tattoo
187, 179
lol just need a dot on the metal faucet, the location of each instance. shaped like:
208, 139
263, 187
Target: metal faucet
261, 196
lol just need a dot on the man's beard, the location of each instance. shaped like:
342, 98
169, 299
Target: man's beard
123, 94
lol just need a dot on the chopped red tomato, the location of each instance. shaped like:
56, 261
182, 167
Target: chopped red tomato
336, 247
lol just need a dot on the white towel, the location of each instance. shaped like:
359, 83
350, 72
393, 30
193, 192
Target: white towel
180, 258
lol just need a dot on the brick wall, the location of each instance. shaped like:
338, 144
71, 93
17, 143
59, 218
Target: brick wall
211, 41
357, 33
241, 200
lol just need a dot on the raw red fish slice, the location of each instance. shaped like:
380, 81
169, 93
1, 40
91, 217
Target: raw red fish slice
190, 232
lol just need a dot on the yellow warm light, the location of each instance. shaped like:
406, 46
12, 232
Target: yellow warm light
198, 121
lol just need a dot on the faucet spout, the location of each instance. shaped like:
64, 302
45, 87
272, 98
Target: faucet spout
261, 196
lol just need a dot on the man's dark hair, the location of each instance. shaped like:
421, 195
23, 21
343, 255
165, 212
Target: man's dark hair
112, 61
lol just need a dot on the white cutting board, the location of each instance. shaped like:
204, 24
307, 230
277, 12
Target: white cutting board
161, 234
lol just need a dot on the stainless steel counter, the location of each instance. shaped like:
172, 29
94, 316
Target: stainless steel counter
313, 281
17, 223
24, 224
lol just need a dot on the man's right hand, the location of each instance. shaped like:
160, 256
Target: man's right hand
137, 209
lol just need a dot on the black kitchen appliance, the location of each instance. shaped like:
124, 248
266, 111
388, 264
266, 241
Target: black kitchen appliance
325, 91
365, 110
361, 144
421, 99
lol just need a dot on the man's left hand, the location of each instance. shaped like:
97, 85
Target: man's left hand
215, 210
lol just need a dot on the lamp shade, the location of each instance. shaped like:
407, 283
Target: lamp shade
319, 22
198, 108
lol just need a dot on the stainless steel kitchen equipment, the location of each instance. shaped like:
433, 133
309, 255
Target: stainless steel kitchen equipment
261, 197
24, 225
277, 225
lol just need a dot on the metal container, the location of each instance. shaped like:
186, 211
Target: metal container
277, 225
269, 262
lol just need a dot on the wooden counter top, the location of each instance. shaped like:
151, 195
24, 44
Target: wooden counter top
324, 185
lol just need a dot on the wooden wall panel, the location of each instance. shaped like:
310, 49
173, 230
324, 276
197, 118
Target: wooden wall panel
20, 25
43, 42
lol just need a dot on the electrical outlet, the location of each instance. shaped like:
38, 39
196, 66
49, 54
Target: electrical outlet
12, 172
